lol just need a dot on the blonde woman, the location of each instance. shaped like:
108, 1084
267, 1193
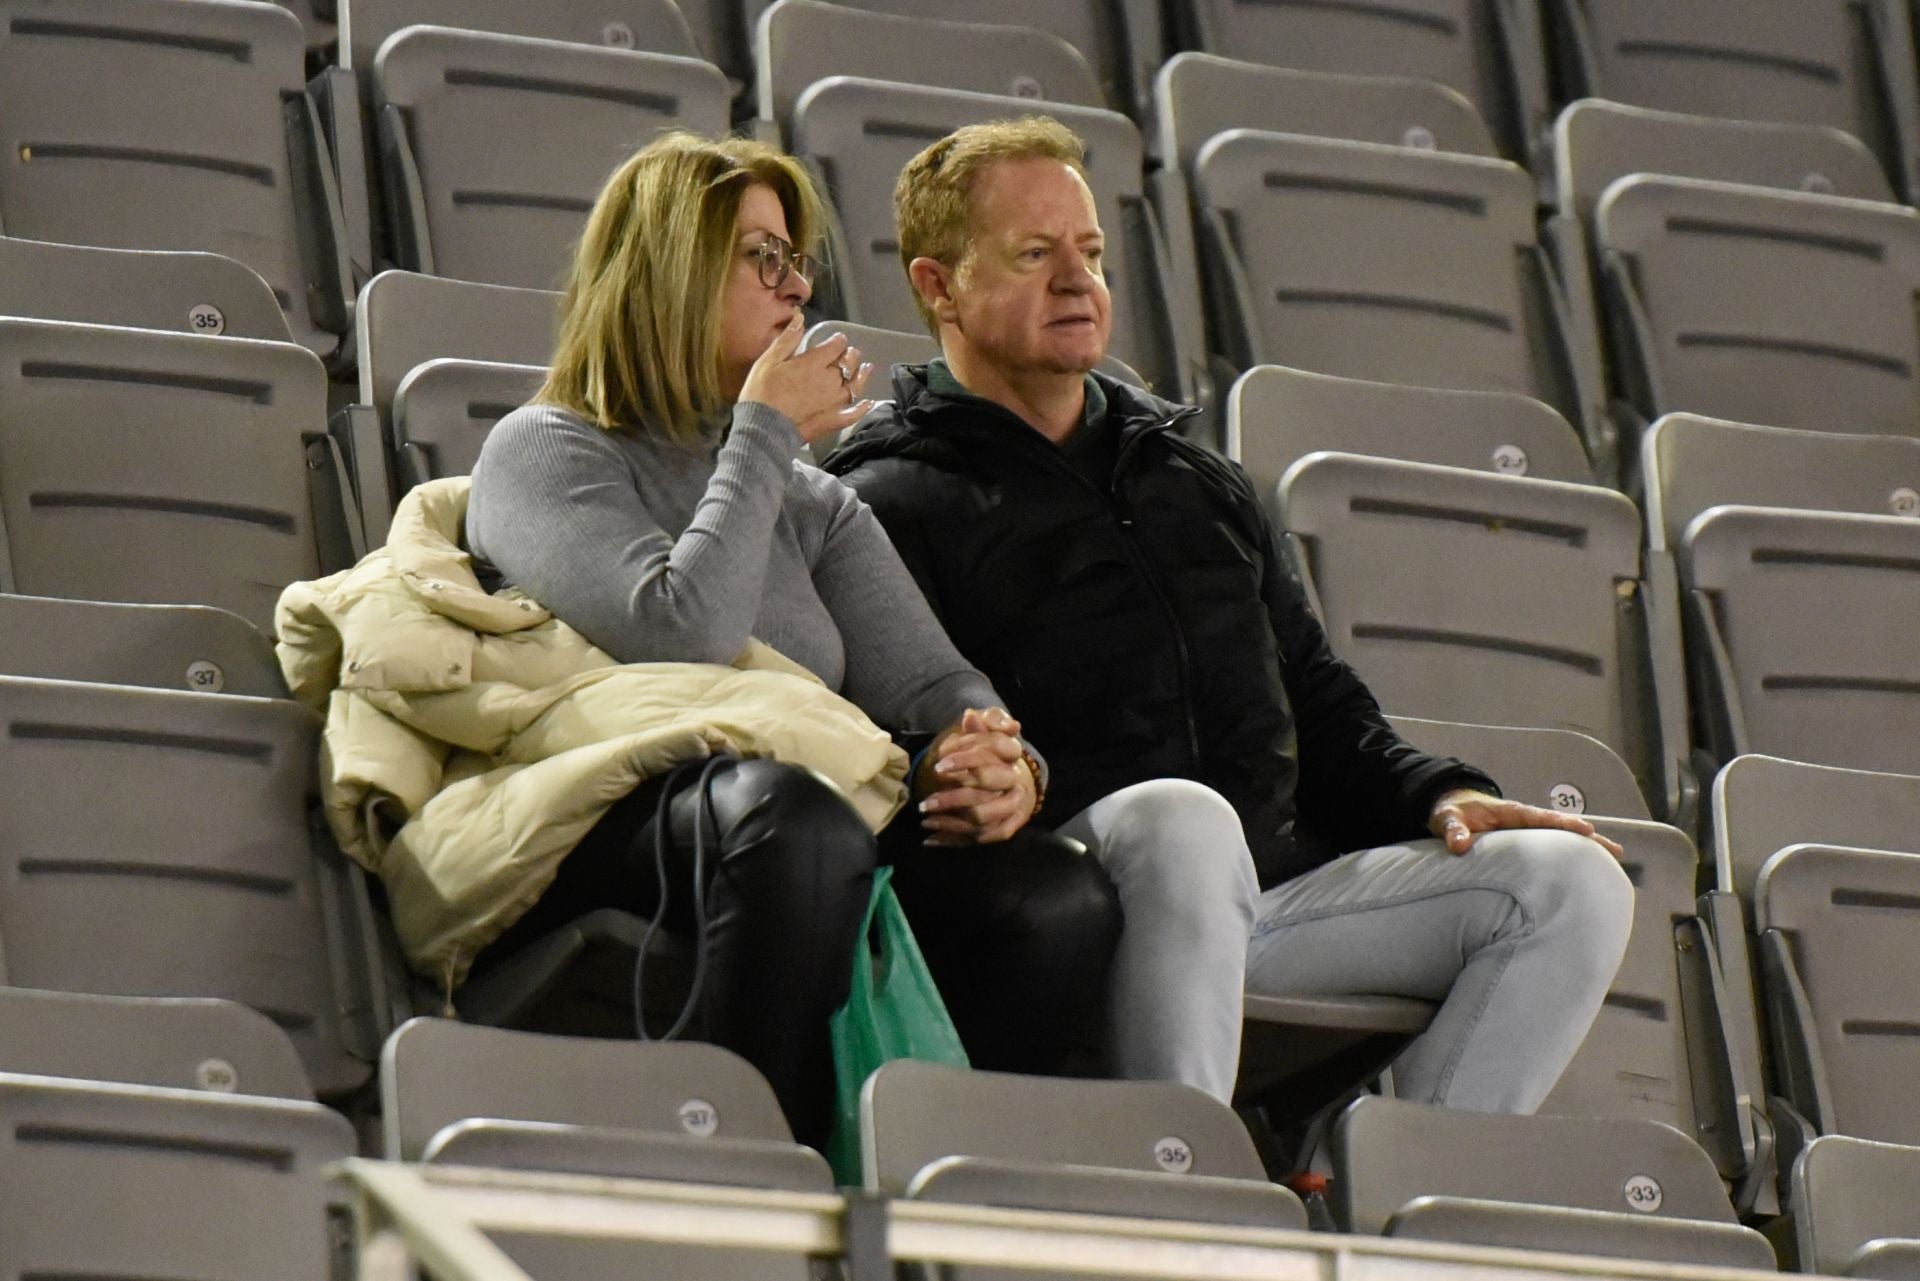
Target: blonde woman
652, 497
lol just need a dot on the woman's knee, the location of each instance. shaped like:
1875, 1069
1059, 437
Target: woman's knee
788, 817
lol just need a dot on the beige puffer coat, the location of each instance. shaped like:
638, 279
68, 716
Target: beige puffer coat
472, 738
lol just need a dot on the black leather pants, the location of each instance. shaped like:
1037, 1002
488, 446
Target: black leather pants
787, 882
1019, 936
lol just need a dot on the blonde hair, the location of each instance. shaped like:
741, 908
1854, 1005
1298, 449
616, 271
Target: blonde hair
933, 199
640, 323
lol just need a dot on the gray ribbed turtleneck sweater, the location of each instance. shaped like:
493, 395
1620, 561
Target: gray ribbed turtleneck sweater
660, 552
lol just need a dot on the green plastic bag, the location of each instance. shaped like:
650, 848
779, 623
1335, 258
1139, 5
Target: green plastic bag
893, 1011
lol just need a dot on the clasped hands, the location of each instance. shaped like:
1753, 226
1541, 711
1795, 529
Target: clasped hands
975, 784
1461, 815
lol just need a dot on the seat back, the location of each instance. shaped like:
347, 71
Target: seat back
1277, 416
1765, 590
193, 293
1427, 579
1597, 143
150, 165
653, 26
435, 1073
104, 1180
1377, 262
861, 133
185, 1043
1487, 51
1764, 307
161, 468
1387, 1152
1199, 95
1762, 804
1694, 464
198, 860
407, 319
1813, 63
1119, 39
1557, 769
799, 42
191, 647
443, 410
913, 1114
1853, 1205
495, 147
1636, 1060
1838, 948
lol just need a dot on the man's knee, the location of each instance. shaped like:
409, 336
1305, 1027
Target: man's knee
1178, 839
1566, 878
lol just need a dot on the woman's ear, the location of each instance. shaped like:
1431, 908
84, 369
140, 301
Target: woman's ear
933, 281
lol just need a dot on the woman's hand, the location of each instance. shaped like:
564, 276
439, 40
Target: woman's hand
818, 389
975, 778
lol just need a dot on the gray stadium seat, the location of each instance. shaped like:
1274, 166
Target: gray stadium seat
190, 647
493, 148
1148, 1149
208, 142
1762, 804
651, 26
177, 826
101, 1180
1619, 1187
193, 293
679, 1111
435, 1074
1757, 306
1854, 1212
799, 42
161, 468
1119, 39
1489, 51
1837, 949
1277, 416
406, 320
1387, 263
1198, 95
443, 410
1467, 596
1800, 634
861, 133
186, 1043
1693, 464
1598, 143
1847, 64
1559, 769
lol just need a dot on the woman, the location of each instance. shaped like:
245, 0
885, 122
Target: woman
649, 497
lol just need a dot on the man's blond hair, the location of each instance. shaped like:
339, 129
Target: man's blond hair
640, 324
933, 200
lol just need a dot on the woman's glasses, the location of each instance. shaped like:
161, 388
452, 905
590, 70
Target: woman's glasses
775, 258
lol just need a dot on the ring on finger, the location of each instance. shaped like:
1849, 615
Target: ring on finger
846, 375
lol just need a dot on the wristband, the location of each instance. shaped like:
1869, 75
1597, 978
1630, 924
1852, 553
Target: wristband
1033, 772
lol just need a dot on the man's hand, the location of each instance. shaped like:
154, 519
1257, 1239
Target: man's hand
1461, 815
975, 779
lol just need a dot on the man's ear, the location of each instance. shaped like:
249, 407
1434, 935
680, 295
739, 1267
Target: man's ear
933, 281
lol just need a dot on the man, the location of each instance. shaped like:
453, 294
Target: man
1120, 586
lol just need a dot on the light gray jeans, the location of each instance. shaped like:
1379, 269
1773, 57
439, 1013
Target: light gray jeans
1517, 939
1175, 852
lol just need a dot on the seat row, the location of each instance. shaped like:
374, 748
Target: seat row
1415, 263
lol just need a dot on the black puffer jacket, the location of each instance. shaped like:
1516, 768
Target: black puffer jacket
1147, 632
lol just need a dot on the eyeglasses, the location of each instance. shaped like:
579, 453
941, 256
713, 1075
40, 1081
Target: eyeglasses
775, 258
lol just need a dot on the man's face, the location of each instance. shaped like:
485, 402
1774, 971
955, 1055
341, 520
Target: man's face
1029, 297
